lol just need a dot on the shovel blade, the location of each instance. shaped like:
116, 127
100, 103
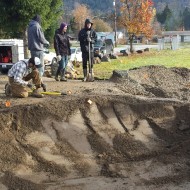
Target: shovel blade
90, 77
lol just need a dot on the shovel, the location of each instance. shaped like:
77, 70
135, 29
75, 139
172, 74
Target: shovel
90, 77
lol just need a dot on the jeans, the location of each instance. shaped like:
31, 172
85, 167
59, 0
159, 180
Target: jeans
63, 63
40, 55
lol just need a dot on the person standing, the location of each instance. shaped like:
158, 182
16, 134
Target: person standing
62, 49
87, 35
19, 76
36, 42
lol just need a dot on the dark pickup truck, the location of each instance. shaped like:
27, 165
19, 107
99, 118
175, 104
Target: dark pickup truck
103, 48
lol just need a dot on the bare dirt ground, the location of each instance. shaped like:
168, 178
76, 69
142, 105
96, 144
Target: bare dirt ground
131, 132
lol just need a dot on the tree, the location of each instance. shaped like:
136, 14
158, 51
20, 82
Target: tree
16, 14
137, 17
186, 19
165, 17
80, 13
101, 26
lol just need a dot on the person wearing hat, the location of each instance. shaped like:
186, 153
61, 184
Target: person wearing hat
19, 77
87, 35
36, 42
62, 49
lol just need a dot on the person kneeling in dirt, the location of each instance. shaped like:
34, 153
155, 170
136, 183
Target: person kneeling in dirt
19, 76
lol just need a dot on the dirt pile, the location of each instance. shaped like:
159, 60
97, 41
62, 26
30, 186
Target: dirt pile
155, 81
123, 138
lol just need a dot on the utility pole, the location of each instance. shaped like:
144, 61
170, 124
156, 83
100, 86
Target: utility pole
115, 26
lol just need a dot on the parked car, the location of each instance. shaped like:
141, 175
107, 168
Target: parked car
75, 59
103, 47
50, 60
76, 54
49, 57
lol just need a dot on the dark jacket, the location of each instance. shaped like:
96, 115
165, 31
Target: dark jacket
82, 37
61, 43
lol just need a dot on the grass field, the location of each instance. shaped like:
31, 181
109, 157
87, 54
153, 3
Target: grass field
168, 58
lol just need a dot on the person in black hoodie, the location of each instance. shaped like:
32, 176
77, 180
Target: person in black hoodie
62, 49
87, 35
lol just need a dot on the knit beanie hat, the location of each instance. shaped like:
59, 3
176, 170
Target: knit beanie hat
37, 18
62, 25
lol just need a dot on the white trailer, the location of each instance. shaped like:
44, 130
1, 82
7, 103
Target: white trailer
11, 51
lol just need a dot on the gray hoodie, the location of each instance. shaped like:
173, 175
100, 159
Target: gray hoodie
36, 38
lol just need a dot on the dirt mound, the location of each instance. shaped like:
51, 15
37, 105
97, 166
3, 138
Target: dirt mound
155, 81
132, 133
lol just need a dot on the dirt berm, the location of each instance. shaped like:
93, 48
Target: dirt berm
131, 132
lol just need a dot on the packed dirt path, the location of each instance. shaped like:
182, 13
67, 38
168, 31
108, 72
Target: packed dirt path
131, 132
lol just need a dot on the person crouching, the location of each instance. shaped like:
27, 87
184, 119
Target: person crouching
19, 77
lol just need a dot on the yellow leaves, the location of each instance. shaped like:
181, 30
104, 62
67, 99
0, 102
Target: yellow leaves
137, 16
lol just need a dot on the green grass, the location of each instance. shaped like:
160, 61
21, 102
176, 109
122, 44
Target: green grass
168, 58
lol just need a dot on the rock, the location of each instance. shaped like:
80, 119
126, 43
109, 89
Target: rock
97, 60
146, 49
124, 52
183, 126
112, 56
139, 51
105, 59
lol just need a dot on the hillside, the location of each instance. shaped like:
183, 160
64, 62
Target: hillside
107, 5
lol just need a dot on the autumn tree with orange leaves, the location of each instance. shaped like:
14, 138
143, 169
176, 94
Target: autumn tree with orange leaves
137, 17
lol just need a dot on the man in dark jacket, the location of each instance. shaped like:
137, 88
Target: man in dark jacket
36, 42
62, 49
87, 35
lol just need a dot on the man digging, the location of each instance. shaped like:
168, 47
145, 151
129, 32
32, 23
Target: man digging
19, 76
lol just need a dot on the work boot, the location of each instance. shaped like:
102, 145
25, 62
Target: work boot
8, 90
57, 75
56, 78
44, 87
37, 94
85, 75
63, 76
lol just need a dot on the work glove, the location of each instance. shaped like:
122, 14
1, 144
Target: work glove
89, 39
31, 86
59, 58
47, 44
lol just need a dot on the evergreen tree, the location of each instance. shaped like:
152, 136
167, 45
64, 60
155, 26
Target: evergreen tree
164, 15
16, 14
186, 19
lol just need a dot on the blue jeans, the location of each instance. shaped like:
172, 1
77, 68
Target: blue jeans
63, 63
40, 55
